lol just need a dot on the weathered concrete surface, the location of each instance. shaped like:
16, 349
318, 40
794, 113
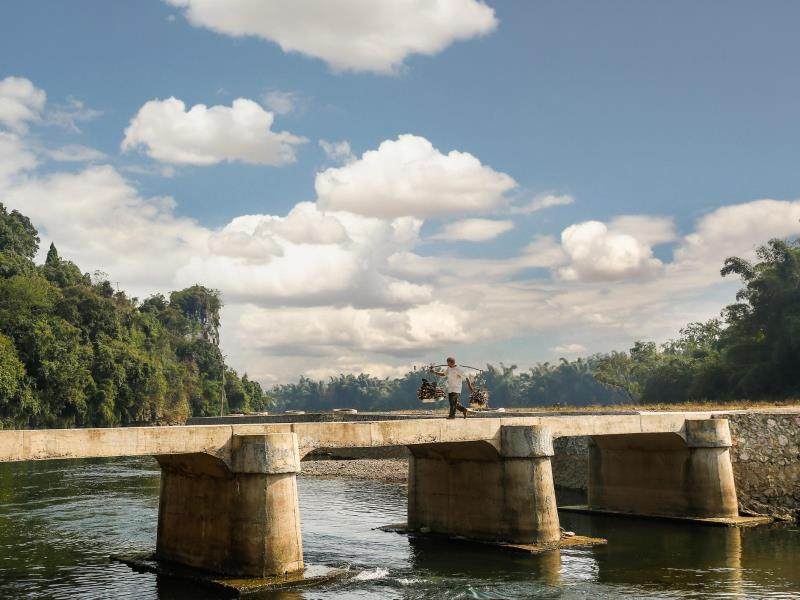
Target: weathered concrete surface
17, 445
663, 474
240, 520
473, 491
765, 455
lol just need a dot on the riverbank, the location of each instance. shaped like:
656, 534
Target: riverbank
392, 470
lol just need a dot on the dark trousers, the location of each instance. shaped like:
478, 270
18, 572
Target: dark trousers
454, 403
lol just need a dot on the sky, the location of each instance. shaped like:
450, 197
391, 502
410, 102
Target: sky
374, 185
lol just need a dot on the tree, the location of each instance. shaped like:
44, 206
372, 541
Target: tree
760, 348
201, 306
52, 256
17, 234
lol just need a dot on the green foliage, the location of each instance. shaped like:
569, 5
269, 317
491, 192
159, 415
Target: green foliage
201, 307
17, 234
75, 352
752, 352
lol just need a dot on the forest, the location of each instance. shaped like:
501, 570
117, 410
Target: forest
75, 352
750, 352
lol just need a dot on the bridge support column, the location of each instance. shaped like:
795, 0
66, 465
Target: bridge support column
664, 474
240, 519
470, 490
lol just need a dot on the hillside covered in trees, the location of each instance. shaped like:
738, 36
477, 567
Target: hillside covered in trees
75, 352
752, 351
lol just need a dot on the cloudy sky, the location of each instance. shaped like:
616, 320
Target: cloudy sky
377, 184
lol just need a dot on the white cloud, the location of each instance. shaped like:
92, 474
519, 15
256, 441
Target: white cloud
70, 114
357, 35
648, 229
75, 153
20, 103
206, 136
473, 230
738, 229
100, 221
597, 253
330, 330
544, 251
349, 365
409, 177
569, 349
308, 258
281, 102
337, 151
542, 201
15, 158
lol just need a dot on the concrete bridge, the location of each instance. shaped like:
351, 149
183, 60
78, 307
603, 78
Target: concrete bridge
228, 499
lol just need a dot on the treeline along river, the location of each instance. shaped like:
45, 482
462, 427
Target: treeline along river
60, 521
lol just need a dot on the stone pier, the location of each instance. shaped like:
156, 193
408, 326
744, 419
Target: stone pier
472, 490
687, 476
240, 518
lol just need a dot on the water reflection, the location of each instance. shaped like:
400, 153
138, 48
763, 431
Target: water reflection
59, 521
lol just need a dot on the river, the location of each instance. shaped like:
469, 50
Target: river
60, 520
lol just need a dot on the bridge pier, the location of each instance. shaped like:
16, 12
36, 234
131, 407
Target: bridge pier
665, 474
469, 489
240, 518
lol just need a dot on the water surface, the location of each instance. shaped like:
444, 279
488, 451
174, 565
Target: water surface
60, 520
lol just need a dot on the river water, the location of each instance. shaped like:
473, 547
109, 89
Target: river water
60, 520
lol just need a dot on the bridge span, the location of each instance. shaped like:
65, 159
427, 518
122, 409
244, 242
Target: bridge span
228, 500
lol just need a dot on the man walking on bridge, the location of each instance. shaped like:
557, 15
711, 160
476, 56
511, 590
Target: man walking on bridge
455, 379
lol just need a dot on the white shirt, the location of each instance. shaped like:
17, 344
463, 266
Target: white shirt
455, 379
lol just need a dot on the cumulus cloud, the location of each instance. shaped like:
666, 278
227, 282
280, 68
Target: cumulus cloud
15, 157
409, 177
308, 258
170, 133
598, 253
473, 230
648, 229
326, 330
99, 220
542, 201
738, 229
357, 35
21, 102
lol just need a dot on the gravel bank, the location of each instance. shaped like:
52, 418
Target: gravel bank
391, 470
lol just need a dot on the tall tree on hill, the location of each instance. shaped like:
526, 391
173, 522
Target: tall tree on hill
52, 256
761, 345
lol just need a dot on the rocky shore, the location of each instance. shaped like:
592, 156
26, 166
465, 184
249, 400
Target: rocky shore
389, 470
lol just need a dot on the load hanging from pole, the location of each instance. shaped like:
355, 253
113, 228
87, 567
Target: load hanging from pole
430, 392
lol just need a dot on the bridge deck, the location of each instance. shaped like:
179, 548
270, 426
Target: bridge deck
43, 444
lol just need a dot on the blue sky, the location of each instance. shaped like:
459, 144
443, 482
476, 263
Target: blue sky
670, 111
